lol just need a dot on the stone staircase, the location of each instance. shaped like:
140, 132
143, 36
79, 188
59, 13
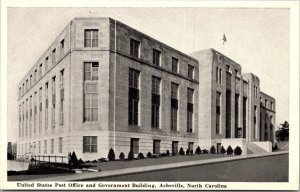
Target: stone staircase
252, 148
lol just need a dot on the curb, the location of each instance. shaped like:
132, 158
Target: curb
118, 172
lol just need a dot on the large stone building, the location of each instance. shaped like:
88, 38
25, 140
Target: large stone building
103, 84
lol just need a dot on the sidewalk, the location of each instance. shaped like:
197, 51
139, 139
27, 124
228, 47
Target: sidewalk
109, 173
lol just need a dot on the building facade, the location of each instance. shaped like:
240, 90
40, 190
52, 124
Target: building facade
230, 110
103, 84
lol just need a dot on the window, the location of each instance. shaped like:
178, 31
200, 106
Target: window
266, 103
90, 107
174, 147
254, 123
52, 146
27, 86
174, 90
219, 75
46, 64
91, 91
53, 57
91, 71
218, 112
20, 120
62, 46
255, 92
20, 91
41, 109
134, 48
35, 76
26, 123
60, 145
174, 65
191, 71
156, 57
190, 146
46, 105
190, 109
61, 115
228, 80
53, 101
156, 146
245, 87
134, 145
89, 144
39, 146
236, 114
30, 81
40, 70
174, 106
91, 38
155, 102
35, 112
272, 106
133, 98
244, 116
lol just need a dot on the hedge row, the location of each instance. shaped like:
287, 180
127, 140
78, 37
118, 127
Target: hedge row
111, 154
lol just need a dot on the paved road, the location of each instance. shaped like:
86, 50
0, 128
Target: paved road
264, 169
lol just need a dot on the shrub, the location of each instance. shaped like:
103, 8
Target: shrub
122, 156
205, 151
130, 155
80, 161
163, 154
168, 153
223, 151
238, 150
9, 156
181, 151
111, 155
191, 152
74, 160
212, 150
102, 159
198, 151
141, 156
94, 161
229, 150
187, 152
149, 154
173, 153
275, 147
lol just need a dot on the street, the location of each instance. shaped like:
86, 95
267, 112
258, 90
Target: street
264, 169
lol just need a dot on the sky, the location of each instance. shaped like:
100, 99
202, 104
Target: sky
258, 39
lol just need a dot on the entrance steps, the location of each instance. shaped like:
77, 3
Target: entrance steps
253, 148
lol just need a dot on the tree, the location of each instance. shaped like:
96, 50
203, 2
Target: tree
229, 150
283, 133
237, 150
198, 151
111, 155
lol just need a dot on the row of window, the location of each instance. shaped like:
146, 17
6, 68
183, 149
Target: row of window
40, 71
32, 108
90, 145
135, 47
238, 131
36, 147
267, 104
133, 102
228, 80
